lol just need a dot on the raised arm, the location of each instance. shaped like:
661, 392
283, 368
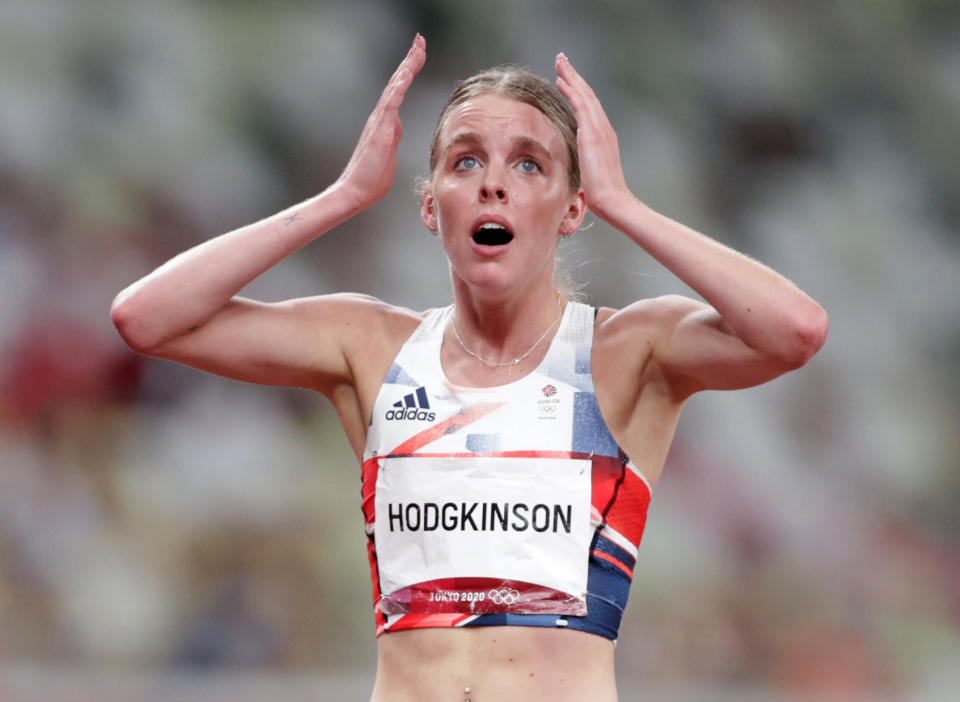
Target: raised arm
187, 310
756, 325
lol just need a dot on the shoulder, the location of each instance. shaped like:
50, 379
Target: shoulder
628, 342
368, 333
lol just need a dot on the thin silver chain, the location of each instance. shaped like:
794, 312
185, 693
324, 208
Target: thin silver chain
515, 361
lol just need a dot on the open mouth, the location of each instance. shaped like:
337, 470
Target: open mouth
492, 234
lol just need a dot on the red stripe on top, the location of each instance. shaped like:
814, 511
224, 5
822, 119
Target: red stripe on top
605, 476
610, 559
368, 487
628, 513
468, 415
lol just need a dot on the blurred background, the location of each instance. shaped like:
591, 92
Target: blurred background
165, 534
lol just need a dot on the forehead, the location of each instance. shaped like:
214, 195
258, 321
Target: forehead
493, 116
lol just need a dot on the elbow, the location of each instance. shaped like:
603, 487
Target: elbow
131, 324
808, 334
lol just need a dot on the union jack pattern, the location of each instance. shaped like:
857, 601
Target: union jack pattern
509, 421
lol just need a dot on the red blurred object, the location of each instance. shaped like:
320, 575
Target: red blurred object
59, 362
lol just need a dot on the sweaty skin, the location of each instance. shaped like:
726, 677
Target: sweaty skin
502, 160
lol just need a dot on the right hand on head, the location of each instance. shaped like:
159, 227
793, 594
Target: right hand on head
370, 171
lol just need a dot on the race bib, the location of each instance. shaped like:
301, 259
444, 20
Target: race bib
483, 535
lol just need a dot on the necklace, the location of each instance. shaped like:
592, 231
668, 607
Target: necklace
515, 361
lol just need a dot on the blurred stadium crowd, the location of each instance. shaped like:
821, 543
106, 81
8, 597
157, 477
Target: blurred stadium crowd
804, 540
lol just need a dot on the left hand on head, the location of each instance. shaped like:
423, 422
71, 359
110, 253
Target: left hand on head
601, 173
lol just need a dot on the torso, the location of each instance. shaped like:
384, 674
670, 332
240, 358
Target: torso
558, 664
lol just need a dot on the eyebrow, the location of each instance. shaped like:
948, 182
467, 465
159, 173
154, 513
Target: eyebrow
520, 143
530, 144
463, 138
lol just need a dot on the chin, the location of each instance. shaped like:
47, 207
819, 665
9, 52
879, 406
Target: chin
487, 279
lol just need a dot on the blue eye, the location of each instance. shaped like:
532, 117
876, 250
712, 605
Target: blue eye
467, 162
529, 166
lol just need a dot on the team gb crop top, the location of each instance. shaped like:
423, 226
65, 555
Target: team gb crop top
509, 505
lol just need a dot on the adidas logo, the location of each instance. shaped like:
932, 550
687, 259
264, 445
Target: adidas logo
413, 406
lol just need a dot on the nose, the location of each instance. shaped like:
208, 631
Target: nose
493, 188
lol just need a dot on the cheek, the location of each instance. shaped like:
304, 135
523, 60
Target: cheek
449, 200
548, 206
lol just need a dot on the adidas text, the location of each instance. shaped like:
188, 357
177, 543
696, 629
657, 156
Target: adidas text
416, 405
411, 413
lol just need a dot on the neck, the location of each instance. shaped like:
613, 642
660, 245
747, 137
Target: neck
500, 330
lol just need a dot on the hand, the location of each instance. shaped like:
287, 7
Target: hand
601, 173
373, 165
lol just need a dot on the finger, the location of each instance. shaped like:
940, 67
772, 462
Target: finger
578, 88
396, 89
570, 74
581, 96
415, 55
407, 70
571, 90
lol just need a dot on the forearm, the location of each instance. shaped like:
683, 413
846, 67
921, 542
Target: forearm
186, 291
765, 309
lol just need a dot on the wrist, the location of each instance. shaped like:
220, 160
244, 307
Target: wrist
614, 206
342, 200
342, 196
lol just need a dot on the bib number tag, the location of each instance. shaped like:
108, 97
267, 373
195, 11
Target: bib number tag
483, 535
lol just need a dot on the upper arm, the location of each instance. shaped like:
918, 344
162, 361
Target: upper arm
699, 351
304, 342
687, 345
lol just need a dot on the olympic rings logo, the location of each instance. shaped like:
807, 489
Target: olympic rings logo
504, 596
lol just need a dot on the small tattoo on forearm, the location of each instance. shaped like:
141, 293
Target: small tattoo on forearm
293, 218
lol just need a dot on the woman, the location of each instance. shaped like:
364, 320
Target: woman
509, 442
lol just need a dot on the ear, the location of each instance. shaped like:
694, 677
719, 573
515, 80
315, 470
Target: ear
428, 213
575, 213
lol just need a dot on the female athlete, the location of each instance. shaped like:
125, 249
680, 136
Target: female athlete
510, 441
